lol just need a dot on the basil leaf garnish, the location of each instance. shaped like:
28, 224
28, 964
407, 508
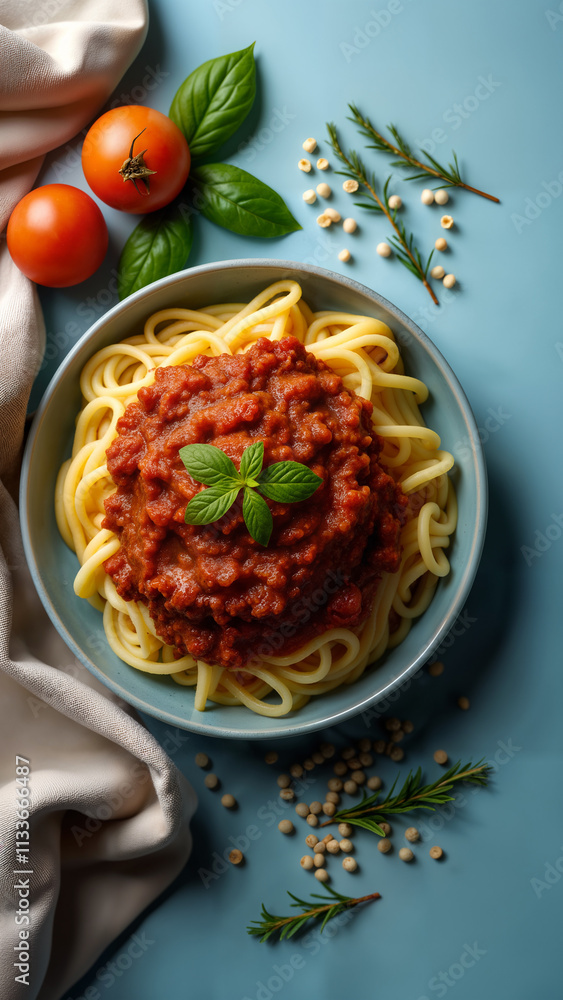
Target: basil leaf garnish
214, 100
251, 461
234, 199
210, 505
288, 482
209, 465
257, 516
158, 246
284, 482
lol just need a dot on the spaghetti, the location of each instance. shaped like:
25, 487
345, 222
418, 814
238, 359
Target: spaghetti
363, 352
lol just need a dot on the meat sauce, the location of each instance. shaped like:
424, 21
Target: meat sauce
211, 590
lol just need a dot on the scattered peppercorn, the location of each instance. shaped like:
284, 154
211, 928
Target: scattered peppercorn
345, 830
309, 196
340, 768
438, 271
236, 856
441, 757
327, 750
333, 847
271, 757
228, 801
310, 145
333, 797
302, 809
412, 834
441, 244
395, 201
307, 862
349, 225
305, 165
436, 668
296, 771
286, 826
211, 781
384, 845
397, 753
350, 186
283, 780
312, 819
317, 756
335, 784
335, 217
446, 222
386, 827
383, 249
374, 783
202, 760
379, 746
329, 808
407, 726
311, 840
350, 787
427, 197
350, 864
324, 221
346, 845
406, 854
324, 190
287, 794
321, 874
322, 164
463, 702
449, 281
436, 852
441, 197
319, 861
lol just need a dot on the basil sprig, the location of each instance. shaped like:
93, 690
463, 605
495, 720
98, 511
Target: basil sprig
209, 106
284, 482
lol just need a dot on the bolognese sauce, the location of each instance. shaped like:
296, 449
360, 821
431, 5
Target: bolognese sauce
211, 590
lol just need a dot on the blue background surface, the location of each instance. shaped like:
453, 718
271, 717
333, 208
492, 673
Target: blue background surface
476, 925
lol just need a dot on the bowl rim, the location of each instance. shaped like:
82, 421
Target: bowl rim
467, 575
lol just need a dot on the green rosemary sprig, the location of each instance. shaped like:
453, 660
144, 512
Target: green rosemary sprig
286, 927
403, 242
369, 813
450, 175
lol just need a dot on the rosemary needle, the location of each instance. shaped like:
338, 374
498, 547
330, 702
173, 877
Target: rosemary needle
286, 927
402, 242
450, 175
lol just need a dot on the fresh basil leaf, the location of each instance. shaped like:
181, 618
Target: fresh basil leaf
210, 505
257, 516
236, 200
158, 246
251, 462
210, 466
288, 482
214, 100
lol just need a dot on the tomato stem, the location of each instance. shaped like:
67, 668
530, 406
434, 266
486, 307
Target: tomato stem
135, 169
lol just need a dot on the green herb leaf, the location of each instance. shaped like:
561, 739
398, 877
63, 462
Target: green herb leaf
210, 505
158, 246
236, 200
288, 482
251, 462
214, 100
210, 466
257, 516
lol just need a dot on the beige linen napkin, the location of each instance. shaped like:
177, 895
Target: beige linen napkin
109, 812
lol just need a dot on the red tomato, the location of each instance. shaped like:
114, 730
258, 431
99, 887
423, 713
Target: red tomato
135, 159
57, 235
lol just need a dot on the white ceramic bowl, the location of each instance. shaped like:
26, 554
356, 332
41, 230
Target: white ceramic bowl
53, 565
